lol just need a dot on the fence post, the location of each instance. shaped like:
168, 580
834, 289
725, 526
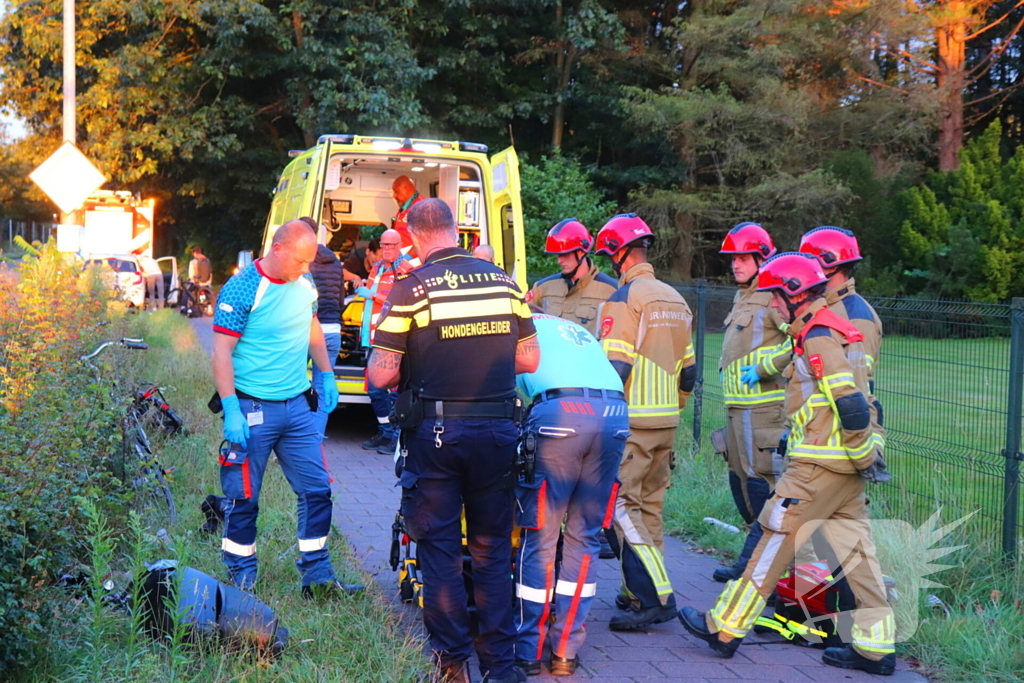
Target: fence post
698, 350
1012, 453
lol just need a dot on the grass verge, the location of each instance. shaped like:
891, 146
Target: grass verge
353, 639
978, 636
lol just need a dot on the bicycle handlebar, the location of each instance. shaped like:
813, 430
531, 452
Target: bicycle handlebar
126, 342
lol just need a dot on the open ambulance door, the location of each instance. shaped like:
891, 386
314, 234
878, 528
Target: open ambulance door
506, 232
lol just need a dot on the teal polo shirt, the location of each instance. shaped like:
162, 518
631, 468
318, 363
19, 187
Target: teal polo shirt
570, 357
271, 320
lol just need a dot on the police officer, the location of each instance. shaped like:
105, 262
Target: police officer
645, 330
579, 420
755, 351
264, 327
455, 332
579, 290
833, 449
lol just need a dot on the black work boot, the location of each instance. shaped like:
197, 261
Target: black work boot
695, 623
531, 667
623, 601
378, 440
726, 574
638, 619
455, 672
560, 666
846, 657
389, 446
516, 675
330, 590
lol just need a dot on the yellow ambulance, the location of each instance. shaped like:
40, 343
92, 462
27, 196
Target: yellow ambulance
344, 183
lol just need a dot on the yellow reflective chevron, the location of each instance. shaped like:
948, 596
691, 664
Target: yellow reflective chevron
651, 391
651, 559
879, 638
737, 608
739, 394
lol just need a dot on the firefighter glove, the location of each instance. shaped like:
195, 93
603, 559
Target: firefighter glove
749, 376
236, 428
878, 472
330, 391
364, 292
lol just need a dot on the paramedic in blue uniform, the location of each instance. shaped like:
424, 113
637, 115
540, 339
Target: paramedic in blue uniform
453, 334
580, 418
265, 326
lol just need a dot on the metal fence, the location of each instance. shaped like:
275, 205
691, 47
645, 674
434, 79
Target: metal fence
29, 230
950, 381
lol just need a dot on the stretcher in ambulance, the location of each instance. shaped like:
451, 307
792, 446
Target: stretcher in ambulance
344, 183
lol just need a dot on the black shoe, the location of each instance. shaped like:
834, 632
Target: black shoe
378, 440
726, 574
639, 619
456, 672
623, 601
693, 621
561, 666
531, 667
846, 657
331, 589
213, 512
388, 447
606, 552
516, 675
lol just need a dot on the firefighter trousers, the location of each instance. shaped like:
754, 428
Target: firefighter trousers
291, 430
645, 473
752, 437
809, 498
579, 448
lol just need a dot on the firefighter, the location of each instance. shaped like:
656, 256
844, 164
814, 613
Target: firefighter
580, 288
755, 351
833, 450
579, 423
645, 331
455, 332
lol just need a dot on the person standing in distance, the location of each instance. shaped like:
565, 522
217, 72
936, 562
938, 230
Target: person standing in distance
326, 272
579, 419
265, 328
453, 334
199, 270
645, 330
580, 288
755, 351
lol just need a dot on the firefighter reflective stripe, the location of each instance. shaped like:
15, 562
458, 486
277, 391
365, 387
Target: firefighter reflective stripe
840, 379
653, 392
538, 595
771, 549
879, 638
650, 557
308, 545
831, 447
741, 394
690, 357
737, 608
610, 345
588, 590
229, 546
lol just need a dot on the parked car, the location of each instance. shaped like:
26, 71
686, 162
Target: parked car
123, 274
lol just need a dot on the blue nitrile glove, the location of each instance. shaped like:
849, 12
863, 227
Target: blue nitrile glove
364, 292
749, 376
721, 376
236, 428
330, 391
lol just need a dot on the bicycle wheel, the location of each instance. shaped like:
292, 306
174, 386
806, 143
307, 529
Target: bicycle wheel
152, 493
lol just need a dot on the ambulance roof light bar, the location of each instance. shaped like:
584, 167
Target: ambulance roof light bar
473, 147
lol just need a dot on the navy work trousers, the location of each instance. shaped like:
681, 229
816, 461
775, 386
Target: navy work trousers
470, 468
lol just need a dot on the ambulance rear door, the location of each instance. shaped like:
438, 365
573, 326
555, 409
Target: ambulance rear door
505, 227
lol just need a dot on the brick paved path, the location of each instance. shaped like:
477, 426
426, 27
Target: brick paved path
365, 503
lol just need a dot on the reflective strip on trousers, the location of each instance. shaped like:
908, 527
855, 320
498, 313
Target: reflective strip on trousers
589, 590
879, 638
737, 608
650, 557
308, 545
229, 546
538, 595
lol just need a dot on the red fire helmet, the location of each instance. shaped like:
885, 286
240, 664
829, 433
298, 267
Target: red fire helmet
833, 246
568, 235
748, 238
620, 231
790, 271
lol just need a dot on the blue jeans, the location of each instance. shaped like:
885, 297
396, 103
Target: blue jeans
471, 469
578, 455
289, 429
383, 401
333, 340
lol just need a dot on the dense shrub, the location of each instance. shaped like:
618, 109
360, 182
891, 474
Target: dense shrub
58, 426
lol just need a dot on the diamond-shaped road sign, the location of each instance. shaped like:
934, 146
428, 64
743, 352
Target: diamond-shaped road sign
68, 177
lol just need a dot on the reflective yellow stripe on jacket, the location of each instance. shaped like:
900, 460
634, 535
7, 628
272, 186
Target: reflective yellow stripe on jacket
740, 394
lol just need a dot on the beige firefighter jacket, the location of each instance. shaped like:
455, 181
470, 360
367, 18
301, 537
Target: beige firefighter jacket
754, 335
646, 324
578, 303
831, 371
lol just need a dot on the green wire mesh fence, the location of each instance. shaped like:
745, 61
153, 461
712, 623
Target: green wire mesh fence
950, 380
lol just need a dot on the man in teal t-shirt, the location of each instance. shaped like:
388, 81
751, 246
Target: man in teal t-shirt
581, 420
265, 327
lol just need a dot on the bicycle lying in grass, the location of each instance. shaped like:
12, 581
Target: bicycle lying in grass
136, 464
191, 299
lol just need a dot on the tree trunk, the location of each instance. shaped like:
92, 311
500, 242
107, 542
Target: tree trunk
681, 265
951, 45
